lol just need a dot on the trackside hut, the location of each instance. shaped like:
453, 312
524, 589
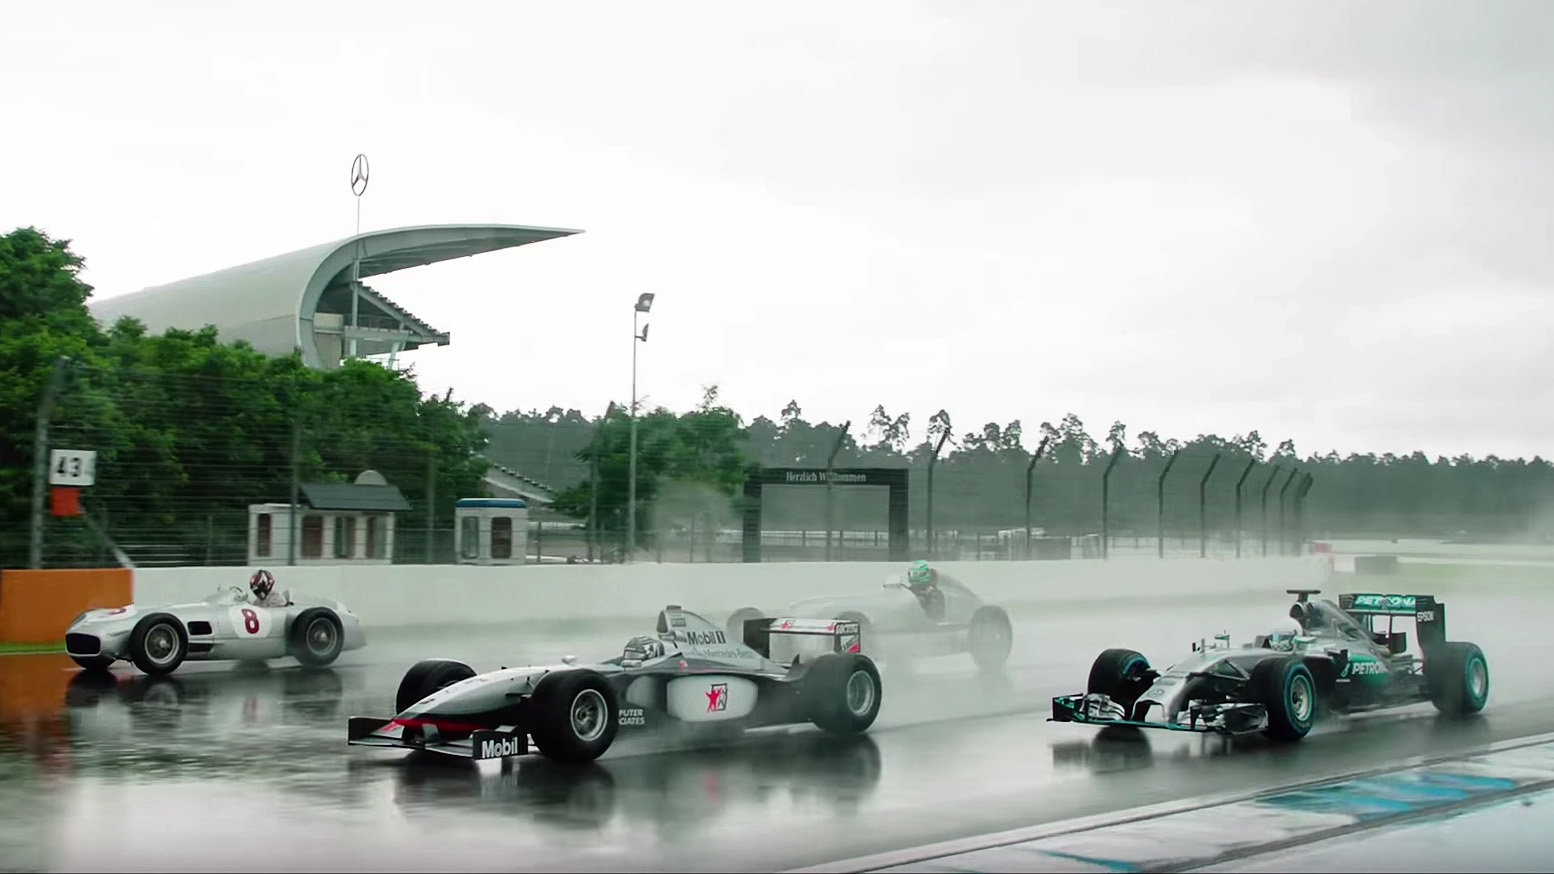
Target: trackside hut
339, 523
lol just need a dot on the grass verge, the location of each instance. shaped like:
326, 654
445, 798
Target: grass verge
29, 648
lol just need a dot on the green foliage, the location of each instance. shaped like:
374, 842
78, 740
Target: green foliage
698, 455
190, 430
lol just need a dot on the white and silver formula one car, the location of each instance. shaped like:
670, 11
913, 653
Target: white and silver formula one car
226, 626
896, 620
779, 672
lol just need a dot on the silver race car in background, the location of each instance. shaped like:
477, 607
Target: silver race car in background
1337, 657
777, 672
895, 620
226, 626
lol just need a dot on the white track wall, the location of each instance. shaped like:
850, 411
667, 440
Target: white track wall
420, 595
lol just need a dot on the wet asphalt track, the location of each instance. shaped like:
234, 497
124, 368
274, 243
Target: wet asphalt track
230, 768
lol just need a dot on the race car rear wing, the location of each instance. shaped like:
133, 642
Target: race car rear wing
782, 640
1429, 614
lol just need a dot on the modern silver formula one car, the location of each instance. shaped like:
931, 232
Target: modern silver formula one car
784, 671
1337, 657
895, 620
226, 626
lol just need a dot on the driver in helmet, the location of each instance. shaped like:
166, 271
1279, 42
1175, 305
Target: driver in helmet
923, 581
262, 584
1282, 636
643, 648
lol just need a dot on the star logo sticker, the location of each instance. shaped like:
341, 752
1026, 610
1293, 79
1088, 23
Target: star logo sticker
717, 697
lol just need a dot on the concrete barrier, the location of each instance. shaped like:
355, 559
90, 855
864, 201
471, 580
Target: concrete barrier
411, 595
37, 605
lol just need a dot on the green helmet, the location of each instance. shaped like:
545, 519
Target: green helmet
919, 574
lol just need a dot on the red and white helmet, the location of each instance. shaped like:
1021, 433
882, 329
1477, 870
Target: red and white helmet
262, 583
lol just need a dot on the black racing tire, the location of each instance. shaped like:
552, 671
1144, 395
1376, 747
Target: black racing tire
842, 693
575, 716
737, 620
316, 637
93, 664
1119, 674
1457, 678
1285, 687
990, 637
426, 677
158, 644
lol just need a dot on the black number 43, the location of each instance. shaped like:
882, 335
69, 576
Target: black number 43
69, 466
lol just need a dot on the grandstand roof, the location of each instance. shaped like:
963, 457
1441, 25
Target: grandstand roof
272, 303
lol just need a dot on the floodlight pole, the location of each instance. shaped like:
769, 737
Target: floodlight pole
644, 304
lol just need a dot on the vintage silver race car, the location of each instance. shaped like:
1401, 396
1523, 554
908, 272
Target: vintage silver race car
896, 621
226, 626
778, 672
1339, 659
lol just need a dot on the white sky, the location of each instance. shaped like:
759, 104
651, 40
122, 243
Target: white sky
1324, 221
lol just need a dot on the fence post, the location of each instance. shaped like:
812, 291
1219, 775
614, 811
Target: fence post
40, 457
1203, 511
1284, 534
431, 504
1244, 474
830, 464
933, 461
1106, 503
1160, 505
1300, 510
1030, 471
1266, 485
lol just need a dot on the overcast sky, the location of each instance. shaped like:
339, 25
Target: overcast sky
1325, 221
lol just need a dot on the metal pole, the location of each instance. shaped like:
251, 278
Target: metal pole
1160, 506
1244, 474
1269, 482
1299, 500
1203, 513
40, 457
830, 464
631, 476
1284, 534
1106, 503
431, 505
296, 477
1030, 470
932, 462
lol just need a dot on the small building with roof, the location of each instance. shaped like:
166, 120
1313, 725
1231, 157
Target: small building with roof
336, 523
491, 531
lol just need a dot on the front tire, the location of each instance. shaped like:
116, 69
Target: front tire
158, 644
426, 677
842, 693
576, 716
1121, 675
1457, 676
317, 637
990, 638
1285, 687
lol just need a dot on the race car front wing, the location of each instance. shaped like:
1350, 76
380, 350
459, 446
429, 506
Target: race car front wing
1226, 718
482, 743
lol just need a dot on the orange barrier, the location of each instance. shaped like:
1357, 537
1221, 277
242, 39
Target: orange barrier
37, 605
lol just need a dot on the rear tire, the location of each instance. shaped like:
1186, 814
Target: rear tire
1285, 687
842, 693
736, 622
158, 644
317, 637
1119, 674
990, 638
576, 716
426, 677
1457, 677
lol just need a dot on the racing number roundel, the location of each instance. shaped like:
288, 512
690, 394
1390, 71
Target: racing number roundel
251, 621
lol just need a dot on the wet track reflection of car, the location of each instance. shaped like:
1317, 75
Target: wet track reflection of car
674, 790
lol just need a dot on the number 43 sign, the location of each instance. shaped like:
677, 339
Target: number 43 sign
72, 467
